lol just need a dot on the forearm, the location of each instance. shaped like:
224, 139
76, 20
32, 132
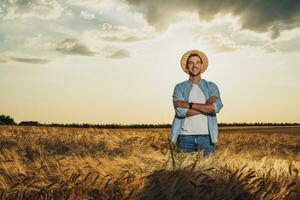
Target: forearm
192, 112
204, 108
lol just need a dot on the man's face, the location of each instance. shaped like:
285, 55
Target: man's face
194, 65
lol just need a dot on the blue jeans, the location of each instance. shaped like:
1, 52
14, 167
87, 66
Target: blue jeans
191, 143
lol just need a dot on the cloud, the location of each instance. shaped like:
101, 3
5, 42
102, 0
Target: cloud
224, 35
74, 47
288, 41
119, 33
259, 16
89, 3
285, 45
8, 59
269, 48
87, 15
220, 44
40, 41
121, 53
274, 31
41, 9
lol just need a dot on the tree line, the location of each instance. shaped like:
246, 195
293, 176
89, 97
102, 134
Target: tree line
7, 120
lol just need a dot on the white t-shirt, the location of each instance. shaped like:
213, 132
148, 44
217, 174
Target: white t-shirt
196, 124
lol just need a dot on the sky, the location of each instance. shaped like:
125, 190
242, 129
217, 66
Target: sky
118, 61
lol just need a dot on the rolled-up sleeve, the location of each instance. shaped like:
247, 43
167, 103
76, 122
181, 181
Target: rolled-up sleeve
177, 95
215, 92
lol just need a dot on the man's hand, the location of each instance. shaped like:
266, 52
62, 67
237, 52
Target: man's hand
183, 104
212, 99
198, 108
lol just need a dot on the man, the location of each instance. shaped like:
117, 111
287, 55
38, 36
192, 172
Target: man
196, 102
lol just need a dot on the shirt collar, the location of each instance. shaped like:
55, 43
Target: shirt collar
200, 82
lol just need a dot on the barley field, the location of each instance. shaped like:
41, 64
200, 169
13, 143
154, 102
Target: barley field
87, 163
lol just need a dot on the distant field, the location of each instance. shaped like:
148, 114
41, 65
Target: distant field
90, 163
262, 129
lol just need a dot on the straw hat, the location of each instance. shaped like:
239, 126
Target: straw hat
186, 55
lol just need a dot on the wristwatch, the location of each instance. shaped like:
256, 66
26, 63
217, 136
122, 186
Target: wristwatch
191, 104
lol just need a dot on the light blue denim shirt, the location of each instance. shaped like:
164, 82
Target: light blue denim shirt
182, 92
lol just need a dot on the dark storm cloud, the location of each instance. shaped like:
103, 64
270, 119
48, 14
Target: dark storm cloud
7, 59
257, 15
74, 47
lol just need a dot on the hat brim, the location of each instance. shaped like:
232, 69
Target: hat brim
185, 56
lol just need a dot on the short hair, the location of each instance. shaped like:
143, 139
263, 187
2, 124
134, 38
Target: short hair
191, 55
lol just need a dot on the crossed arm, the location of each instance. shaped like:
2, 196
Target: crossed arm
212, 105
197, 108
